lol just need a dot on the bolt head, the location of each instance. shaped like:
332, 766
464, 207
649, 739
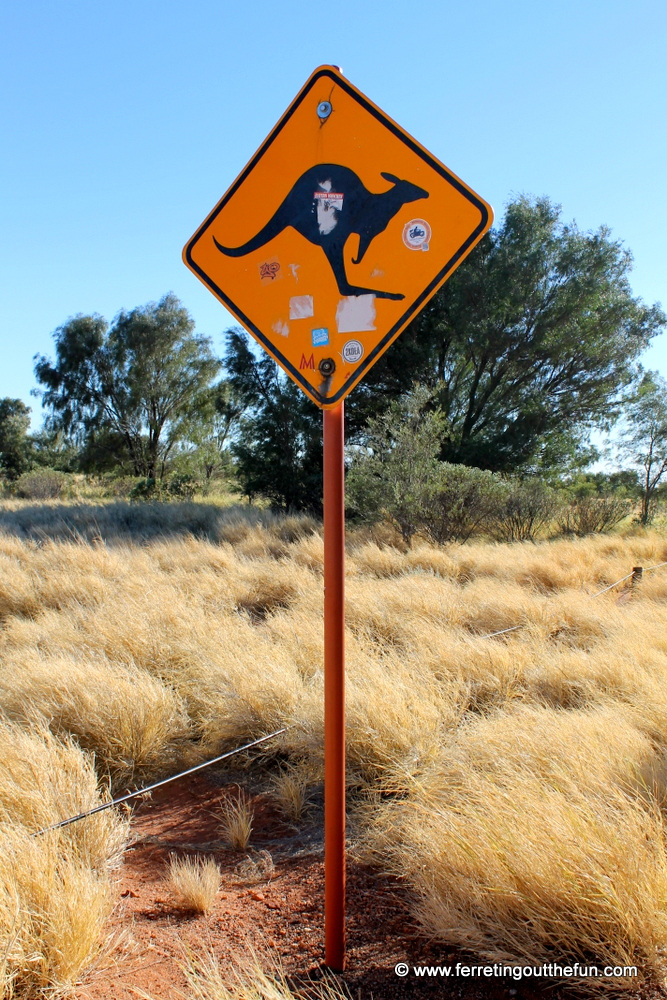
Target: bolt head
324, 109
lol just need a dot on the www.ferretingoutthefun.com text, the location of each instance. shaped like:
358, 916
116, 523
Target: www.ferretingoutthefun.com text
547, 971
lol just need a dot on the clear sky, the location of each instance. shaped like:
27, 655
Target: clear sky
124, 122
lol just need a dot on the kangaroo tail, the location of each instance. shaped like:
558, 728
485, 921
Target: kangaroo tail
264, 236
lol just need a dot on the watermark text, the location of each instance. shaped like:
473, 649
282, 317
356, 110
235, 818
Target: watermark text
551, 970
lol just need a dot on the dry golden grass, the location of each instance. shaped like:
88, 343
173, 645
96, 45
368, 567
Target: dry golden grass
516, 782
249, 980
290, 791
54, 889
195, 882
532, 836
236, 822
256, 867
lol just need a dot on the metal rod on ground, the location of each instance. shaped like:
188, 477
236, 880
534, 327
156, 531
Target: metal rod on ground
502, 632
611, 586
634, 577
334, 689
158, 784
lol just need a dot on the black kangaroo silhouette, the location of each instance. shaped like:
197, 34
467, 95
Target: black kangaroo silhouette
326, 205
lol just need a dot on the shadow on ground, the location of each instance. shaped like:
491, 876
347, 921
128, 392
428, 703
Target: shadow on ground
123, 522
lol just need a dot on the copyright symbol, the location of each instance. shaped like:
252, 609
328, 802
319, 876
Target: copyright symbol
401, 969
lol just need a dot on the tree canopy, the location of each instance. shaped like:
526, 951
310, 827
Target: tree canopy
531, 342
644, 441
15, 445
128, 390
279, 445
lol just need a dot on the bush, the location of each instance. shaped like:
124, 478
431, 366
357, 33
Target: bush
179, 487
399, 478
42, 484
183, 486
195, 882
527, 507
114, 487
459, 501
587, 515
397, 474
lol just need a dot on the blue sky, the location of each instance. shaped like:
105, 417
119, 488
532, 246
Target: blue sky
124, 122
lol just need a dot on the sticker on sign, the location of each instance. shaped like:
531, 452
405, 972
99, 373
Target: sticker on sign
352, 352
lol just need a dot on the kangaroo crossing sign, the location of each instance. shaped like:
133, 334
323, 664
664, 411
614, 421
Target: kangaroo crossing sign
334, 236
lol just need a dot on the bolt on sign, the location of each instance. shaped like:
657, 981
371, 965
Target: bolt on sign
334, 236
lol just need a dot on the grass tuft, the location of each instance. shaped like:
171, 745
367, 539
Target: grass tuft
55, 892
195, 882
236, 822
290, 792
252, 979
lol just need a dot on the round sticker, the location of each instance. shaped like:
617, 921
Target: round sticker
352, 351
417, 234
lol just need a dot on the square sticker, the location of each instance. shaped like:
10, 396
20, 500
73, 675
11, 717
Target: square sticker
320, 336
269, 271
301, 307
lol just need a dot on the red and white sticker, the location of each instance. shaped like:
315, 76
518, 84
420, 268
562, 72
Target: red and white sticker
335, 198
417, 234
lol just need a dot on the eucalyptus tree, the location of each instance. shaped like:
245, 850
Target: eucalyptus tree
644, 439
531, 342
134, 385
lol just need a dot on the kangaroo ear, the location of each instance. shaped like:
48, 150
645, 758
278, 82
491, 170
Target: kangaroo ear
390, 177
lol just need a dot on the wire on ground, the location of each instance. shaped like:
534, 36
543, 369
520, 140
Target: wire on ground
611, 586
158, 784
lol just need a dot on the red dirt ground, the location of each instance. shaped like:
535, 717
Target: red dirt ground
280, 918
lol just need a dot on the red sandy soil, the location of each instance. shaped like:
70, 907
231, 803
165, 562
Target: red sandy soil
280, 918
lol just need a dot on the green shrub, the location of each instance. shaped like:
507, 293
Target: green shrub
41, 484
394, 477
183, 486
178, 487
587, 515
114, 487
528, 506
459, 501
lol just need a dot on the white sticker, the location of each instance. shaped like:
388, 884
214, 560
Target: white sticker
417, 234
352, 351
281, 328
301, 307
356, 314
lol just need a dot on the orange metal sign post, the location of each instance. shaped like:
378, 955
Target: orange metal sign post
334, 688
333, 237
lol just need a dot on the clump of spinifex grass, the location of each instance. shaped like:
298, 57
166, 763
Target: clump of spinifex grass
250, 978
236, 822
195, 882
290, 791
531, 839
55, 893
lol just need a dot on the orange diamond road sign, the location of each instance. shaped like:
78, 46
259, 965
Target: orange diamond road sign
334, 236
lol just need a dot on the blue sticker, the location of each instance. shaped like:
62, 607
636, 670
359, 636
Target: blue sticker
320, 336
